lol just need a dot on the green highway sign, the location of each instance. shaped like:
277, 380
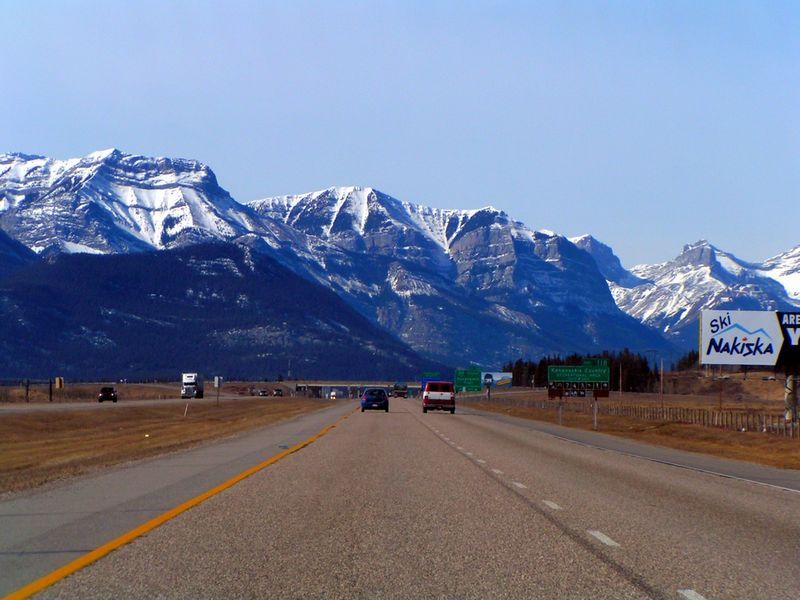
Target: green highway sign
595, 362
468, 380
580, 374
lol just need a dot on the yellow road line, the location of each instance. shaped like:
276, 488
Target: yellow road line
98, 553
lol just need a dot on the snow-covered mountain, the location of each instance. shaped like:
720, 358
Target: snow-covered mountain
111, 202
608, 262
669, 296
482, 250
460, 285
785, 269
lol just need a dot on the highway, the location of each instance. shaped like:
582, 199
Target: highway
468, 505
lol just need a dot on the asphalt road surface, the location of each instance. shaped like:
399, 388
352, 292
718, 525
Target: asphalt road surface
43, 529
466, 505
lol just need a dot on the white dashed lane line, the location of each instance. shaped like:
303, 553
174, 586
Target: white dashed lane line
687, 594
603, 538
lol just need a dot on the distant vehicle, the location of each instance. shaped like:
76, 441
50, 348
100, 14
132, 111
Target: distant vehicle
399, 390
277, 392
263, 393
333, 395
107, 393
191, 385
374, 399
438, 395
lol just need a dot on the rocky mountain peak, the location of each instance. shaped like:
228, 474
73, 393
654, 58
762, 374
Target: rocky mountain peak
701, 253
608, 262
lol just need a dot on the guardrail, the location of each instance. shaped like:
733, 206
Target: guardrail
721, 419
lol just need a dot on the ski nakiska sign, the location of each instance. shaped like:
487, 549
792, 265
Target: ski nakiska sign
739, 337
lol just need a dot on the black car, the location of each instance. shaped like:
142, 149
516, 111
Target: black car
263, 393
277, 392
107, 393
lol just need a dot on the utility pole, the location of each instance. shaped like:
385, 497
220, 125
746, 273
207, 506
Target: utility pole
790, 394
661, 389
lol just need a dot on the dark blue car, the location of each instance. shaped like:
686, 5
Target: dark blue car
374, 399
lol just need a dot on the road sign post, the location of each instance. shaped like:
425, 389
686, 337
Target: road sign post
218, 385
593, 375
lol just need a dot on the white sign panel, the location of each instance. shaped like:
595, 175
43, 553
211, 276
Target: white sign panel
739, 337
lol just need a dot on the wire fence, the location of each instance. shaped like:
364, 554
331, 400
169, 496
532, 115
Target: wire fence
733, 420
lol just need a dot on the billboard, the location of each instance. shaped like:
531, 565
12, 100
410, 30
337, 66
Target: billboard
496, 379
739, 337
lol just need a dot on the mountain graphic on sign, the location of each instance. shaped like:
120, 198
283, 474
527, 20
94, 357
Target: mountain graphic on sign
748, 332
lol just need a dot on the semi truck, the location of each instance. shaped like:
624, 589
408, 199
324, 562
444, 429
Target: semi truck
400, 390
191, 385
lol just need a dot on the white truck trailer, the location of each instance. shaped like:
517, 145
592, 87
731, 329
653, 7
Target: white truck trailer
191, 385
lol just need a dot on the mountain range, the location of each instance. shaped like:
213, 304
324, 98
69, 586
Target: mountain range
669, 296
437, 287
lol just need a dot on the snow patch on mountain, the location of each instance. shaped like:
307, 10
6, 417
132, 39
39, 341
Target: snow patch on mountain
672, 294
406, 284
113, 202
785, 269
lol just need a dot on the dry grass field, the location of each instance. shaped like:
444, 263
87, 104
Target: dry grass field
128, 392
749, 446
38, 447
755, 393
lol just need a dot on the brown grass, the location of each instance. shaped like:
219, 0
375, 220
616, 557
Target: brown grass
43, 446
754, 447
129, 392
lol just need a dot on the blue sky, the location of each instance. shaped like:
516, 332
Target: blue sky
648, 124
